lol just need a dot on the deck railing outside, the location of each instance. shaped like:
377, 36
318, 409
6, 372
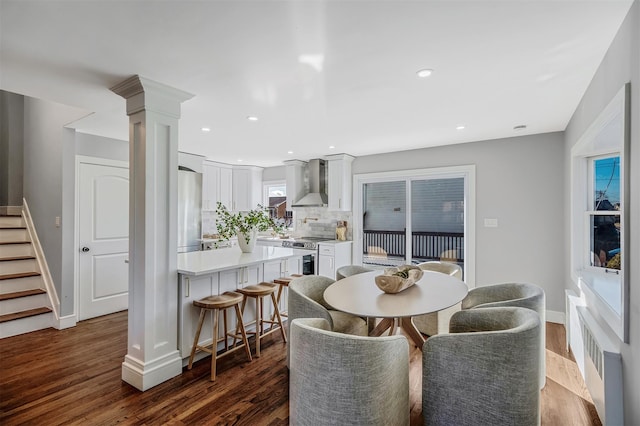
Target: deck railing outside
425, 245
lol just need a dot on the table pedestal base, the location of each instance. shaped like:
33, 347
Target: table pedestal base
405, 323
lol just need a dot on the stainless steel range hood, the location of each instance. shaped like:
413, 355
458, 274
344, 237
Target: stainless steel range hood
316, 182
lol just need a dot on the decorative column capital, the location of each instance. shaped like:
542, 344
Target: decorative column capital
144, 94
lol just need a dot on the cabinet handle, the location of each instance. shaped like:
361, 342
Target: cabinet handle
187, 287
339, 203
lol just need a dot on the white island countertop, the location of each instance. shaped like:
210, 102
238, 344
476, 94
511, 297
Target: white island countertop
209, 261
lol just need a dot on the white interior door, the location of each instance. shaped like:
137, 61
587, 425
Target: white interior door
103, 239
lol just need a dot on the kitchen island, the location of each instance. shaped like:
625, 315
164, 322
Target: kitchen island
205, 273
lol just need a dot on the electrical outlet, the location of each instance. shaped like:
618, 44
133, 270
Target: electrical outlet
57, 221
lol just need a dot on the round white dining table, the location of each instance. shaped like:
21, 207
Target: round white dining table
359, 295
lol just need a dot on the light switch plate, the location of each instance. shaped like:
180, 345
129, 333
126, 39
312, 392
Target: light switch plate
491, 223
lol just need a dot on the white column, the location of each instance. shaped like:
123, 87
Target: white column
153, 110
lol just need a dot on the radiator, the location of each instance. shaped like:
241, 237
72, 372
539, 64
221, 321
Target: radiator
602, 369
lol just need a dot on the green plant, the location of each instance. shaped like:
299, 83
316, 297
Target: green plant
231, 224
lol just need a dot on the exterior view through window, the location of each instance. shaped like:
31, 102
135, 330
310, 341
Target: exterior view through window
604, 219
426, 221
277, 204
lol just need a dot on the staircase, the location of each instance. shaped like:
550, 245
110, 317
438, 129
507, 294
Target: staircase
24, 303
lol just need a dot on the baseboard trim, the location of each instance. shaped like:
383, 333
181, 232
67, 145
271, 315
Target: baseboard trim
555, 317
66, 322
143, 376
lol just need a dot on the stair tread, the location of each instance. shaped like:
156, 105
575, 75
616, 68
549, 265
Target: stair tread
25, 257
15, 242
23, 293
24, 314
19, 275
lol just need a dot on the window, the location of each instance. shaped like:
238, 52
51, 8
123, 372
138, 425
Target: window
604, 218
275, 199
599, 242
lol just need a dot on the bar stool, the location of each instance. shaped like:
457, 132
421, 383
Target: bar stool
283, 282
259, 291
215, 304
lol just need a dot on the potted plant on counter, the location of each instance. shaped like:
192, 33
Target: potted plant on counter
245, 225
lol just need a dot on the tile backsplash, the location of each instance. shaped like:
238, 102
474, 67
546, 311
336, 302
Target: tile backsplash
307, 222
319, 222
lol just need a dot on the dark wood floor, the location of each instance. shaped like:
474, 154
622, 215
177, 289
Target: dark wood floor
72, 376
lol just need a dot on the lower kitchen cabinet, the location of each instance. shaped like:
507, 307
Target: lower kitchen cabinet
197, 280
277, 269
333, 255
191, 289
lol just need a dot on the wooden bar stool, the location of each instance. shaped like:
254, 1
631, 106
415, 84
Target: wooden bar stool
283, 282
259, 291
215, 304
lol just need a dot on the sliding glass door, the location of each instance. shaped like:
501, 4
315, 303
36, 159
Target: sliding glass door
414, 216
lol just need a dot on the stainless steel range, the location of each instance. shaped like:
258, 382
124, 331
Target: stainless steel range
306, 243
310, 245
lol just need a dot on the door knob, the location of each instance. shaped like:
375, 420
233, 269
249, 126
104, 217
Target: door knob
85, 249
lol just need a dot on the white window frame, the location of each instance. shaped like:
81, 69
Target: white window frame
468, 172
607, 136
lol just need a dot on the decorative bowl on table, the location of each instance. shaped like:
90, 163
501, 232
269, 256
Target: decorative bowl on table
394, 280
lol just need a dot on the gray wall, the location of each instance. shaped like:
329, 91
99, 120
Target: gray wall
44, 139
11, 148
519, 181
620, 65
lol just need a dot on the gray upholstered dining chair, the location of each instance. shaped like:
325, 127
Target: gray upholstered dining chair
337, 378
349, 270
306, 300
438, 322
485, 371
513, 294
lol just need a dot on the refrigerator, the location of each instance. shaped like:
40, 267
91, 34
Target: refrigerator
189, 210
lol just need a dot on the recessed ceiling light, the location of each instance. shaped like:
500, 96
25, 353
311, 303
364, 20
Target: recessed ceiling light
240, 160
206, 129
520, 127
460, 127
289, 152
252, 118
424, 73
332, 147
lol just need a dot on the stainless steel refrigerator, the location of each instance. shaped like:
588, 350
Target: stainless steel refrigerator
189, 210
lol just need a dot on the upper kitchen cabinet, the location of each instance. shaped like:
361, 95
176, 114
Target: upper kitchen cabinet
190, 161
295, 181
216, 185
247, 187
339, 181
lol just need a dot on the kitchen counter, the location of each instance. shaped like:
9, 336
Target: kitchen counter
198, 263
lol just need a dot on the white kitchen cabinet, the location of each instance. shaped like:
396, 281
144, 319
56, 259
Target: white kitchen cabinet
295, 181
339, 181
216, 185
233, 279
191, 289
281, 268
333, 255
247, 188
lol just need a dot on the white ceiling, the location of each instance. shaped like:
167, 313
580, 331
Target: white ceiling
497, 64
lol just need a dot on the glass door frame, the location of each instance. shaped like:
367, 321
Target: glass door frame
468, 172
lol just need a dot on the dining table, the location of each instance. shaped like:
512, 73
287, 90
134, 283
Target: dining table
359, 295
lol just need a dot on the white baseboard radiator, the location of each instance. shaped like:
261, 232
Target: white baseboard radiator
602, 369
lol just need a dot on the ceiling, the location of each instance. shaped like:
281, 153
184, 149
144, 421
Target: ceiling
316, 74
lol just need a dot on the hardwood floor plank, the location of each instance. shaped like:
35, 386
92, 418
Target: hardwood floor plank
73, 377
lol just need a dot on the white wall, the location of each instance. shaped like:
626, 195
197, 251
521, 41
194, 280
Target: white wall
620, 65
